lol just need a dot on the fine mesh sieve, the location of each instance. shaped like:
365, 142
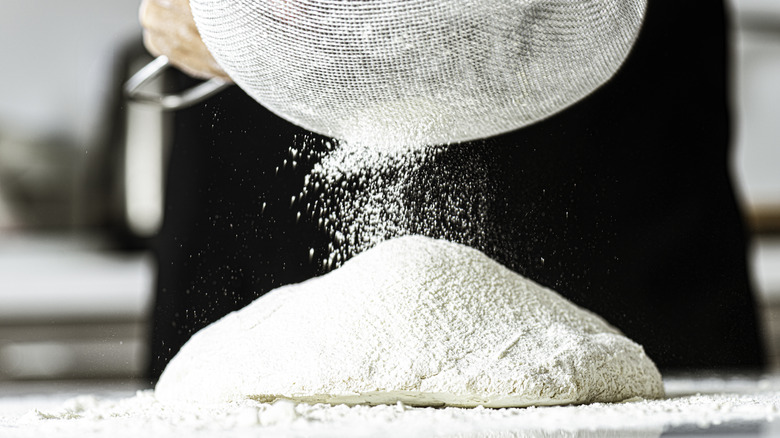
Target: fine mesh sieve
418, 71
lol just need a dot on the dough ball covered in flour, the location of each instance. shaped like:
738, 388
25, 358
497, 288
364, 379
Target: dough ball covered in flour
417, 320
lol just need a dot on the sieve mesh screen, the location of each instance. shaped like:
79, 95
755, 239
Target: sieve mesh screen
410, 72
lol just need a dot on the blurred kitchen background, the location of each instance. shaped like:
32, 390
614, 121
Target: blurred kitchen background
81, 175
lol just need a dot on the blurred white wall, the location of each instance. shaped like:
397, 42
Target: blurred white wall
57, 67
757, 100
55, 60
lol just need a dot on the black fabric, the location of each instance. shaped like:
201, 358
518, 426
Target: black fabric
229, 233
622, 203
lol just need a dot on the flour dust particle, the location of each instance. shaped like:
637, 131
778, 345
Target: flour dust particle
414, 320
363, 194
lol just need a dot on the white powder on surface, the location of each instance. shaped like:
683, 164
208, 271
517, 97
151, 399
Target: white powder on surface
694, 405
416, 320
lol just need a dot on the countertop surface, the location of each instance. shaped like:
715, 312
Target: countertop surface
725, 406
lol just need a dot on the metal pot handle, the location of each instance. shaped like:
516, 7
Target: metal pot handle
183, 99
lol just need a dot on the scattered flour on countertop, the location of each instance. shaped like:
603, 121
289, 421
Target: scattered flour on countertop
717, 402
416, 320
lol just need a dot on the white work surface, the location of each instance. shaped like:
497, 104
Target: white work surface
732, 406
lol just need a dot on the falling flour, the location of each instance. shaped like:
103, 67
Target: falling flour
365, 194
413, 320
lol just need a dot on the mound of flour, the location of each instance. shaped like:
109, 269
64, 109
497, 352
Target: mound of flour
416, 320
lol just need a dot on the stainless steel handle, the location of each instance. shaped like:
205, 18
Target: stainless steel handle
183, 99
